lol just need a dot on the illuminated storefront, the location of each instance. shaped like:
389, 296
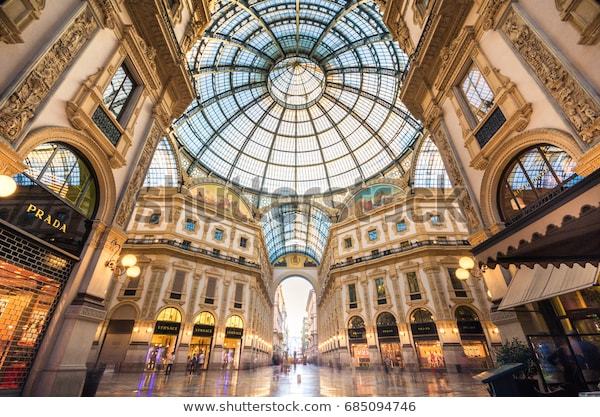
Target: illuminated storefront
232, 345
472, 338
202, 337
44, 225
389, 340
427, 343
357, 342
164, 339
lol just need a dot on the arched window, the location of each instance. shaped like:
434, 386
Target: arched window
205, 318
356, 323
59, 169
169, 314
421, 315
430, 171
533, 174
386, 319
235, 321
163, 171
464, 313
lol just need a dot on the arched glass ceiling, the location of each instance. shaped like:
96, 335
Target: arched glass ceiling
163, 171
297, 96
295, 228
430, 171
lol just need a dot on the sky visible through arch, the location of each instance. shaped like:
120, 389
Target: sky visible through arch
295, 294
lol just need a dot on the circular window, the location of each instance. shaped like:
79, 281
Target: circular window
532, 175
296, 82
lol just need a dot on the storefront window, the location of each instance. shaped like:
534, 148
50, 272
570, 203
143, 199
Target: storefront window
389, 340
357, 339
202, 337
232, 344
164, 338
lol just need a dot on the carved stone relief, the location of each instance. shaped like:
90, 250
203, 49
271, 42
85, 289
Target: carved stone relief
137, 179
581, 109
22, 104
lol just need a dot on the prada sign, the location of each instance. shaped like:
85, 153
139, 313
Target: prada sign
40, 213
470, 327
203, 330
167, 328
387, 331
424, 329
354, 334
233, 333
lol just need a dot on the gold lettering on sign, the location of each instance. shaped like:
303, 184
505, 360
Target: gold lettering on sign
20, 107
47, 218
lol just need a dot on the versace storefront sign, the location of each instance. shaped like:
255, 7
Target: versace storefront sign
203, 330
424, 329
387, 331
233, 333
167, 327
359, 333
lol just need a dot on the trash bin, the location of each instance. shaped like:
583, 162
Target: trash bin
502, 381
92, 380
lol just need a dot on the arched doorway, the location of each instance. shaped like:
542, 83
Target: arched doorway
389, 340
118, 334
427, 342
232, 345
357, 342
164, 339
472, 338
202, 337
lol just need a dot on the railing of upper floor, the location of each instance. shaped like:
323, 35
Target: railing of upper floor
187, 246
404, 247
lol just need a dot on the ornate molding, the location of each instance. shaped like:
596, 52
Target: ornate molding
584, 16
22, 104
137, 179
16, 15
489, 12
582, 111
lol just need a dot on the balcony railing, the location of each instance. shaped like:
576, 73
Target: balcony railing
403, 248
190, 248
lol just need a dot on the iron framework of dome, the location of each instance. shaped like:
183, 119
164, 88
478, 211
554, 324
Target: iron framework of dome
296, 97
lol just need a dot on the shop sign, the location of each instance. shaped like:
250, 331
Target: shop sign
470, 327
203, 330
40, 213
423, 329
233, 333
387, 331
167, 327
356, 333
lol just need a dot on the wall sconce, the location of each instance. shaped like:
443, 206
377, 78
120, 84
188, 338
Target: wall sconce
149, 330
402, 333
136, 329
8, 186
127, 266
455, 330
443, 331
189, 333
495, 330
466, 264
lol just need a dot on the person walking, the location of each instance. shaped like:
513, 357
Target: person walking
201, 361
170, 360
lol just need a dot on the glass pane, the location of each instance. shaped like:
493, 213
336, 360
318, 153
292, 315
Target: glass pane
477, 93
118, 91
430, 171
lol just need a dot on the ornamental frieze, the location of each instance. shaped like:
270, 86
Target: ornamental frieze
580, 108
20, 107
137, 179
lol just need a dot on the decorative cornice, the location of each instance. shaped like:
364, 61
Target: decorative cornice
579, 107
20, 107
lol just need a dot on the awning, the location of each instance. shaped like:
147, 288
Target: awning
529, 285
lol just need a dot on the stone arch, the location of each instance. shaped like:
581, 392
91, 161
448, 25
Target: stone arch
410, 312
281, 275
502, 157
178, 308
123, 310
92, 152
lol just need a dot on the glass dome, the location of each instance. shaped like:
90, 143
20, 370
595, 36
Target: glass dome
296, 97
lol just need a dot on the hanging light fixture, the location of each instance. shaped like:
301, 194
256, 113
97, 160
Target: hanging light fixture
133, 271
466, 262
128, 260
7, 186
462, 274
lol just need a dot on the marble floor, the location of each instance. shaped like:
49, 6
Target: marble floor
303, 381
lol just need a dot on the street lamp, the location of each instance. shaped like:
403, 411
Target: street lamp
127, 266
7, 186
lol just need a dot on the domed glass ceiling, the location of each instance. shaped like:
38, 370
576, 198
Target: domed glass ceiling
296, 96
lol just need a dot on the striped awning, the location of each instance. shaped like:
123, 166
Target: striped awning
529, 285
